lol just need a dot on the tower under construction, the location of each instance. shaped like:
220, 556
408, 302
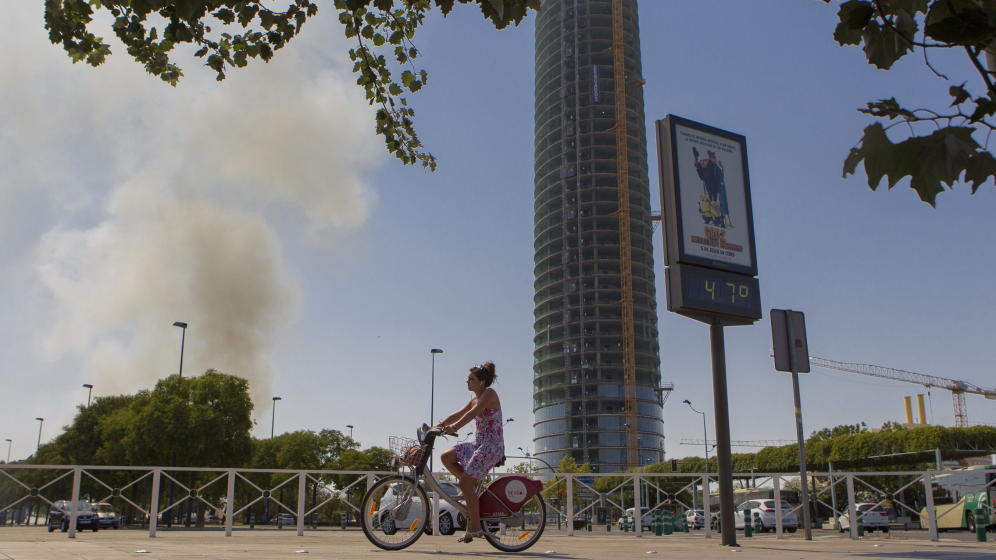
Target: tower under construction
596, 364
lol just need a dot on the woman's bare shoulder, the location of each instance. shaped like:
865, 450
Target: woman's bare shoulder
490, 398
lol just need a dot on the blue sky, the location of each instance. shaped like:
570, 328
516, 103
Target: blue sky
264, 212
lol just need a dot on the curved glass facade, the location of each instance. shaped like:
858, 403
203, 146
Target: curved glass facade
578, 381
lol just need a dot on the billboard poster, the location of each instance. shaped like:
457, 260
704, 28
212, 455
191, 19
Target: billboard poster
708, 192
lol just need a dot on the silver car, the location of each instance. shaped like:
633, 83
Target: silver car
450, 519
766, 511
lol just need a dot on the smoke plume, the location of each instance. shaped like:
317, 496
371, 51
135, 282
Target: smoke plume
155, 204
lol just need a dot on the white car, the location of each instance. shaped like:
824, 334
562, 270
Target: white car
766, 510
871, 516
450, 519
627, 517
695, 518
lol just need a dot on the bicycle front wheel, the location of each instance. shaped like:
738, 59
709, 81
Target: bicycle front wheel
519, 531
394, 512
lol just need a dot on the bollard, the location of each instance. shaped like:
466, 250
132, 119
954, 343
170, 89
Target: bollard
589, 524
657, 523
252, 520
980, 525
314, 520
342, 520
758, 526
719, 523
748, 525
668, 523
608, 525
861, 527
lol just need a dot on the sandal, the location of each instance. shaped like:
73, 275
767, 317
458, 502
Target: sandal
469, 536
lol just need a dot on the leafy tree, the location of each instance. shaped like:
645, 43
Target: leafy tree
523, 468
230, 33
204, 421
556, 487
940, 145
837, 431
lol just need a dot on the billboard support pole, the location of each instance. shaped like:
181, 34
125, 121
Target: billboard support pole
723, 455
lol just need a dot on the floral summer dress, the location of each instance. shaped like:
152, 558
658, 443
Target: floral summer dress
489, 444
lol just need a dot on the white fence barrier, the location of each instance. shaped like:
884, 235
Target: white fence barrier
150, 493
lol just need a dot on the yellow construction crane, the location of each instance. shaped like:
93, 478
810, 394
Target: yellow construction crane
625, 243
957, 388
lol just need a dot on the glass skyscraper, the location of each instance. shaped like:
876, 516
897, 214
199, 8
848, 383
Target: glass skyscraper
586, 403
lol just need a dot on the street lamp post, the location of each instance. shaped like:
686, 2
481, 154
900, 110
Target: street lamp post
705, 446
705, 433
40, 422
350, 426
432, 393
273, 415
172, 485
89, 391
9, 442
183, 339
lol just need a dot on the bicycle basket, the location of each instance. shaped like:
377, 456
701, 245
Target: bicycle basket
407, 451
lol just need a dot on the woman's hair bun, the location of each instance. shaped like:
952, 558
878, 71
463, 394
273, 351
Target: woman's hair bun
486, 373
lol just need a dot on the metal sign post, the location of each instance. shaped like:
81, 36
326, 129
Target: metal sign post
709, 248
788, 335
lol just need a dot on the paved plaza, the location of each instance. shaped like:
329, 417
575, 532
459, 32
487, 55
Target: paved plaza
34, 543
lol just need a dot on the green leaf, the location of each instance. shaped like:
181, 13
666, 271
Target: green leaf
980, 167
883, 46
984, 107
931, 161
959, 93
961, 22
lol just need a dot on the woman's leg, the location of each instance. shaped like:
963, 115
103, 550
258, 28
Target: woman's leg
468, 486
449, 458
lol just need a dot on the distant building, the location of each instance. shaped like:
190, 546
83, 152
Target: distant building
579, 385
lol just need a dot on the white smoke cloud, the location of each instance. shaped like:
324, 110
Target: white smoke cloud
151, 202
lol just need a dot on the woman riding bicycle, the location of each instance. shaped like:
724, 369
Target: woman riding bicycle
471, 461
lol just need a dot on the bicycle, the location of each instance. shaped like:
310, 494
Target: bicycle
395, 510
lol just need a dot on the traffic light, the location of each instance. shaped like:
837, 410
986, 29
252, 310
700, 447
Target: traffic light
674, 465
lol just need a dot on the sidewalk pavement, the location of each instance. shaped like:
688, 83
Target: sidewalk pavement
34, 543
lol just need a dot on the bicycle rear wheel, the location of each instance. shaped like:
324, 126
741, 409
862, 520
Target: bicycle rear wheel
394, 512
519, 531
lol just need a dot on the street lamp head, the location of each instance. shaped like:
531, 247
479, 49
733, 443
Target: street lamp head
8, 440
40, 419
436, 351
278, 398
350, 426
180, 324
87, 386
509, 420
688, 402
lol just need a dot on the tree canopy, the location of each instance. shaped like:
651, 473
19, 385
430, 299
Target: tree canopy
939, 146
231, 33
203, 421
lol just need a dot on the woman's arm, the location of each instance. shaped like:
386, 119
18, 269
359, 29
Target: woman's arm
488, 399
457, 414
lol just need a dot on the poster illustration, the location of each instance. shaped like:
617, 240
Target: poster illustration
714, 206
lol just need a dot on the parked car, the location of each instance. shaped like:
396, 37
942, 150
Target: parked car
628, 517
282, 519
695, 518
872, 517
766, 510
106, 515
86, 517
450, 519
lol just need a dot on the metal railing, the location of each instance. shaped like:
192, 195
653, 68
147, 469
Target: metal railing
235, 493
